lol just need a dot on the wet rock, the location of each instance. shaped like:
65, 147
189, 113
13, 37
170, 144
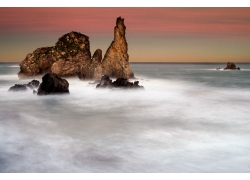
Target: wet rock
122, 83
116, 60
18, 87
105, 82
53, 84
34, 84
231, 65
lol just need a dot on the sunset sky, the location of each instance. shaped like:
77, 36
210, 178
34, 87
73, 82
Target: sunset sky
153, 34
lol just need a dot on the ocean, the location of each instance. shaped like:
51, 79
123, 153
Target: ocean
189, 118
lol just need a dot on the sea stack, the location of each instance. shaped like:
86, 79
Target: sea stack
231, 65
71, 56
115, 63
64, 59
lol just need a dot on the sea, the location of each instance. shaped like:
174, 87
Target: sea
190, 118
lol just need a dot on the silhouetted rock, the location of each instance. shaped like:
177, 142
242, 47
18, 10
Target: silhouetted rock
34, 84
65, 58
53, 84
116, 60
18, 87
232, 66
123, 83
105, 82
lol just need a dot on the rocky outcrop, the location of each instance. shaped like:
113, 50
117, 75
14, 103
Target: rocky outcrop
65, 58
232, 66
18, 87
93, 69
33, 85
53, 84
71, 56
116, 60
121, 83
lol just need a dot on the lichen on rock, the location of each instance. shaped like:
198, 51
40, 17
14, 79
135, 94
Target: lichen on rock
64, 59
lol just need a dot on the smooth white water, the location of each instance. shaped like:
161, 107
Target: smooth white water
188, 119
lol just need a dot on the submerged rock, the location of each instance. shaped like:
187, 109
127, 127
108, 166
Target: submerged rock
53, 84
231, 65
33, 85
18, 87
116, 60
123, 83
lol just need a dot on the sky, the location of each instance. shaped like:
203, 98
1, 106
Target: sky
154, 34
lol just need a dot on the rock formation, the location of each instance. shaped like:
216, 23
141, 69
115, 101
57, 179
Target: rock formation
33, 85
64, 59
53, 84
93, 69
121, 83
18, 87
232, 66
116, 60
71, 56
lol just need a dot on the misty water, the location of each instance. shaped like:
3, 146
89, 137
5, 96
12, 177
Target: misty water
189, 118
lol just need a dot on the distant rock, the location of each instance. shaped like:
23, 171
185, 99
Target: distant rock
33, 85
121, 83
53, 84
231, 65
115, 63
64, 59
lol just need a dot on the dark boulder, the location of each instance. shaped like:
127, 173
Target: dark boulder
122, 83
18, 87
34, 84
105, 82
53, 84
232, 66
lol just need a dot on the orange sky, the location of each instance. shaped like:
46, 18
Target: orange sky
153, 34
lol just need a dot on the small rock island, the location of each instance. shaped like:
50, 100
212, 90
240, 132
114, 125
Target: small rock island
230, 66
71, 56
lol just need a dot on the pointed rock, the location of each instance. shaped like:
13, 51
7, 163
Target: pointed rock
93, 70
116, 60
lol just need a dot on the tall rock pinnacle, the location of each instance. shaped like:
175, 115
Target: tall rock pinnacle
116, 60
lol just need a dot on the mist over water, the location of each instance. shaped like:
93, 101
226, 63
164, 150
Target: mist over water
189, 118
